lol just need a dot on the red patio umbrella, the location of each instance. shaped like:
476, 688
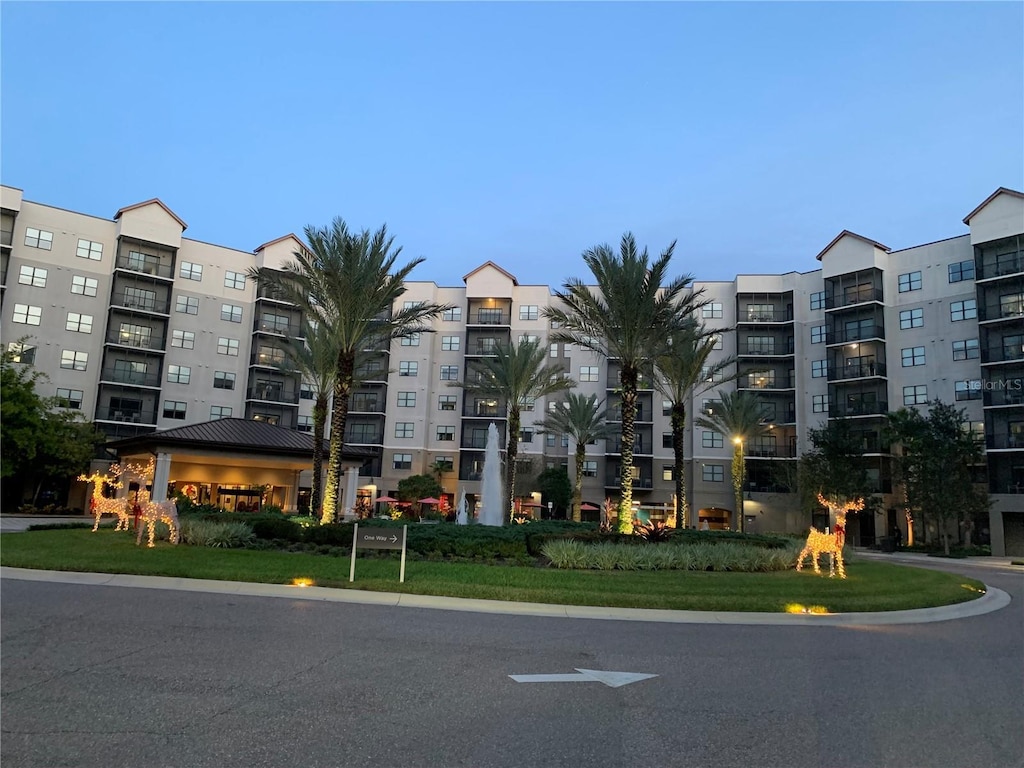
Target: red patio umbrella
430, 500
589, 507
531, 504
386, 499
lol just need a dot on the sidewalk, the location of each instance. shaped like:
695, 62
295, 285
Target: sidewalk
1000, 563
12, 523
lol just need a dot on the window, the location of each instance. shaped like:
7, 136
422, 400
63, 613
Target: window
445, 463
78, 323
706, 374
817, 334
223, 380
234, 280
174, 409
87, 249
716, 341
306, 392
38, 238
134, 335
188, 305
76, 361
452, 315
411, 341
526, 435
406, 399
819, 369
406, 368
449, 373
761, 345
34, 276
818, 300
404, 429
915, 395
589, 468
967, 390
709, 405
20, 352
549, 439
450, 343
183, 339
712, 310
139, 298
588, 373
69, 398
446, 402
26, 314
268, 418
912, 356
270, 356
553, 349
140, 262
529, 338
446, 434
304, 424
1011, 305
226, 346
411, 304
961, 270
231, 312
529, 312
402, 461
710, 439
911, 281
712, 473
819, 404
963, 310
179, 374
966, 349
269, 322
666, 472
911, 318
85, 286
190, 271
666, 440
220, 411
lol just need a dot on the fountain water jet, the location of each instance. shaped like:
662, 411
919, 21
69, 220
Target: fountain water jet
491, 512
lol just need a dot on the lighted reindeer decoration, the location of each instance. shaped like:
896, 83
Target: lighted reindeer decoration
100, 505
150, 512
830, 543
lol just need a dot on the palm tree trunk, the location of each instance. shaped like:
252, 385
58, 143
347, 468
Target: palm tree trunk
577, 486
628, 382
319, 424
511, 454
738, 471
339, 415
679, 454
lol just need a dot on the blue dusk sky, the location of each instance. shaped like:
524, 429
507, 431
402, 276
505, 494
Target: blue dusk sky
523, 133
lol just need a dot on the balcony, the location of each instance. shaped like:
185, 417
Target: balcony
1007, 309
482, 349
278, 328
1004, 265
136, 341
858, 409
851, 297
136, 304
641, 483
273, 359
488, 410
488, 317
129, 377
764, 316
642, 415
761, 382
365, 405
769, 451
1003, 353
1004, 442
126, 416
858, 370
849, 335
6, 237
778, 348
271, 393
148, 267
615, 447
1010, 393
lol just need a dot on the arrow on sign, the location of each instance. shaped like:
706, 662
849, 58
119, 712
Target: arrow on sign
611, 679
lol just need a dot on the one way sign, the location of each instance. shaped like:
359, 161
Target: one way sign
377, 538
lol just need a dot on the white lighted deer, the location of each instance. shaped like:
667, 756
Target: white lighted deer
830, 543
100, 505
153, 512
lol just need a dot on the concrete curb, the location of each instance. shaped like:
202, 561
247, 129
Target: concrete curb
992, 600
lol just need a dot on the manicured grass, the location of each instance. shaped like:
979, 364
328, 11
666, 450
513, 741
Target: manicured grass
871, 586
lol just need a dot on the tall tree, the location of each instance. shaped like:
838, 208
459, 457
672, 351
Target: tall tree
834, 467
629, 316
349, 282
555, 487
935, 466
682, 372
737, 417
518, 374
584, 420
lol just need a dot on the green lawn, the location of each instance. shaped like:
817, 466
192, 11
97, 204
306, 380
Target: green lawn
871, 586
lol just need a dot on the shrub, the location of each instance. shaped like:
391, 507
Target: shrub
653, 531
274, 527
701, 556
206, 533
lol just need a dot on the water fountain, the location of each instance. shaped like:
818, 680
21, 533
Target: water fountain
491, 506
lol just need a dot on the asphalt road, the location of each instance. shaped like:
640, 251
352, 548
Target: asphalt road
96, 676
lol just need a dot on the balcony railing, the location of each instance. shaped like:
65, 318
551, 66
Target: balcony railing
143, 305
482, 411
268, 360
282, 329
856, 370
848, 298
845, 336
1004, 441
152, 342
128, 416
1002, 353
6, 237
1010, 264
148, 267
765, 316
765, 382
1010, 393
365, 406
760, 348
639, 483
998, 310
488, 317
615, 446
479, 443
642, 415
269, 292
478, 350
131, 378
272, 394
858, 409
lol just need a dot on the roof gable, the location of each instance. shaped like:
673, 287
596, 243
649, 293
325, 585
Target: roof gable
989, 199
154, 201
848, 233
290, 236
490, 265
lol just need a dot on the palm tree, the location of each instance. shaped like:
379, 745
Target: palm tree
634, 309
349, 283
518, 374
583, 419
738, 416
683, 372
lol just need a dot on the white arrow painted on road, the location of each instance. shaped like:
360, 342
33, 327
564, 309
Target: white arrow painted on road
611, 679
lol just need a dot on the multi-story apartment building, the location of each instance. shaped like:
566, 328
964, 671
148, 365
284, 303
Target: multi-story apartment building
143, 329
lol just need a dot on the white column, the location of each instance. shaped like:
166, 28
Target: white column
161, 476
293, 494
351, 484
